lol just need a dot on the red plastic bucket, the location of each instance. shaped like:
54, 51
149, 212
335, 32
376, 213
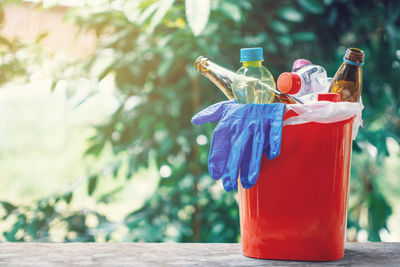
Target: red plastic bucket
297, 208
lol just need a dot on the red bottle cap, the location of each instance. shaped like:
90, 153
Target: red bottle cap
289, 83
331, 97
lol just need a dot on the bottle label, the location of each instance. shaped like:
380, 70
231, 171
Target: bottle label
310, 79
352, 62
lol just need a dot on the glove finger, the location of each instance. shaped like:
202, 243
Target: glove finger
223, 141
226, 182
256, 156
219, 150
274, 133
236, 156
211, 114
244, 166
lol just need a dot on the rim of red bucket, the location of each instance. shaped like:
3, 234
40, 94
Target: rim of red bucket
324, 123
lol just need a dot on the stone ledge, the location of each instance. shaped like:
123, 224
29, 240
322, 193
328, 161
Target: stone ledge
183, 254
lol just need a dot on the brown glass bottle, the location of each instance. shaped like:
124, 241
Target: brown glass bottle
223, 79
347, 81
220, 76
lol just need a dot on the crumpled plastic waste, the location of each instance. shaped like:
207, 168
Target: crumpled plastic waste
325, 112
242, 135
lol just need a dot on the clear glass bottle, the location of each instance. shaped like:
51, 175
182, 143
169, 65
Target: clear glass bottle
348, 79
253, 82
223, 79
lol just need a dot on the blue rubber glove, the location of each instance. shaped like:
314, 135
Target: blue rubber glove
243, 133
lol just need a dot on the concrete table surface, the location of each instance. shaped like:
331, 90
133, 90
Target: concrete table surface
181, 254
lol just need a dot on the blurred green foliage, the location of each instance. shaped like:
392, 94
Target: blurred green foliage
149, 48
18, 58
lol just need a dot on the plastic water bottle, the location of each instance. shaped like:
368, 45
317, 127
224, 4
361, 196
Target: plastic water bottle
223, 79
299, 63
307, 80
253, 82
314, 97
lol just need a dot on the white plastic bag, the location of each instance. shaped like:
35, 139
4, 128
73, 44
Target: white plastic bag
326, 112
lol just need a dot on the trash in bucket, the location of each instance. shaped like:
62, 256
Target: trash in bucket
290, 160
299, 211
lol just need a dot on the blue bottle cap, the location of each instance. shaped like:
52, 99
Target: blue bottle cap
251, 54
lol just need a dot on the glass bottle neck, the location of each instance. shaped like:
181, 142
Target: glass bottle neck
352, 63
354, 56
221, 77
257, 63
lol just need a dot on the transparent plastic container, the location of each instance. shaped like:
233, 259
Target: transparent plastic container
307, 80
253, 83
299, 63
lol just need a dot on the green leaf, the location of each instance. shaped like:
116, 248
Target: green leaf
278, 26
160, 14
115, 168
32, 227
304, 36
131, 11
257, 40
8, 206
108, 197
379, 211
53, 85
103, 64
148, 12
232, 11
197, 14
131, 167
68, 197
41, 37
95, 149
166, 63
312, 6
290, 14
92, 184
285, 40
271, 47
4, 41
20, 224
